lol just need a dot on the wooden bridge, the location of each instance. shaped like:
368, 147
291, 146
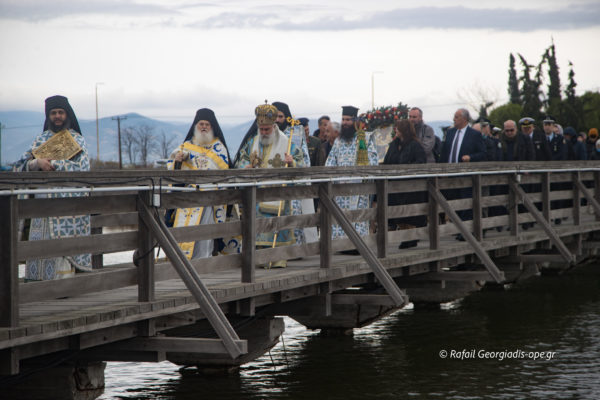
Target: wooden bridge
221, 311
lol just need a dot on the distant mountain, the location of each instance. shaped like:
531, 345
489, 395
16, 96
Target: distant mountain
19, 128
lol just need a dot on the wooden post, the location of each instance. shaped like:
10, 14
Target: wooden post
399, 296
434, 218
9, 264
382, 218
477, 212
97, 259
577, 212
597, 190
564, 251
513, 209
145, 251
192, 281
576, 199
479, 250
9, 279
248, 234
325, 247
546, 195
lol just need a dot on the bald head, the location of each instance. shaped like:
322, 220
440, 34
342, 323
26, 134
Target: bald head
510, 128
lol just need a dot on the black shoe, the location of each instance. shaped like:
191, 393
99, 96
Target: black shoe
460, 237
499, 228
408, 244
350, 252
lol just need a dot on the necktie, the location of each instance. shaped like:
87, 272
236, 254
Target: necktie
454, 151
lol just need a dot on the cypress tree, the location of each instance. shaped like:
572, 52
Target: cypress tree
513, 82
530, 92
570, 90
554, 85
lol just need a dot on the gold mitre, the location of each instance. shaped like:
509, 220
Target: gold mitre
266, 114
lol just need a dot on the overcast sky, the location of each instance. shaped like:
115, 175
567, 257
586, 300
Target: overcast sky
165, 59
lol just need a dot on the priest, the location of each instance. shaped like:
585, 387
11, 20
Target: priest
351, 149
298, 137
204, 148
60, 147
265, 146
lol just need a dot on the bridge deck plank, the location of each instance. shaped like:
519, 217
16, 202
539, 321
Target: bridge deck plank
49, 319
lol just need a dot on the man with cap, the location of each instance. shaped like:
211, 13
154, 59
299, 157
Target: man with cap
541, 146
556, 141
492, 144
351, 149
60, 122
204, 148
265, 146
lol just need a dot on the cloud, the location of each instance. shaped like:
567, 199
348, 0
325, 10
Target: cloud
311, 16
455, 17
32, 10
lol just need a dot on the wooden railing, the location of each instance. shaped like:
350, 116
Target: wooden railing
115, 202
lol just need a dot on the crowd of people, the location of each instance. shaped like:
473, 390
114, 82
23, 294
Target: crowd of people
277, 140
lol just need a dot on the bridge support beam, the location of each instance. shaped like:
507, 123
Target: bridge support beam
72, 381
348, 311
260, 334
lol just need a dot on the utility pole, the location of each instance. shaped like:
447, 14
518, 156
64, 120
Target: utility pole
97, 129
373, 87
118, 119
0, 144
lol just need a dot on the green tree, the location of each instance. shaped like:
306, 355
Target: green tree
505, 112
530, 91
513, 82
554, 85
570, 90
590, 105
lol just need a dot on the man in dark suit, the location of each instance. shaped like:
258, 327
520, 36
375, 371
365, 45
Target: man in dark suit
558, 146
462, 144
541, 145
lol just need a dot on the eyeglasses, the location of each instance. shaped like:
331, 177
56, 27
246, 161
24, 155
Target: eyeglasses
509, 130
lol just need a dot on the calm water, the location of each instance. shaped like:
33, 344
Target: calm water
399, 356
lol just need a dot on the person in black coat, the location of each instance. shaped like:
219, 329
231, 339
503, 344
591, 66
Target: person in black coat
515, 146
596, 154
575, 149
541, 146
406, 149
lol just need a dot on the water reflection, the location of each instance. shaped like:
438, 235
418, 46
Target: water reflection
399, 356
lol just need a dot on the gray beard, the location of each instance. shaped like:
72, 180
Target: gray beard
202, 138
268, 140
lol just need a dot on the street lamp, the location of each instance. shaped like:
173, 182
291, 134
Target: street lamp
97, 130
373, 87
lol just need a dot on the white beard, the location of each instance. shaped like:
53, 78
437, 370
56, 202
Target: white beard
202, 138
269, 140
